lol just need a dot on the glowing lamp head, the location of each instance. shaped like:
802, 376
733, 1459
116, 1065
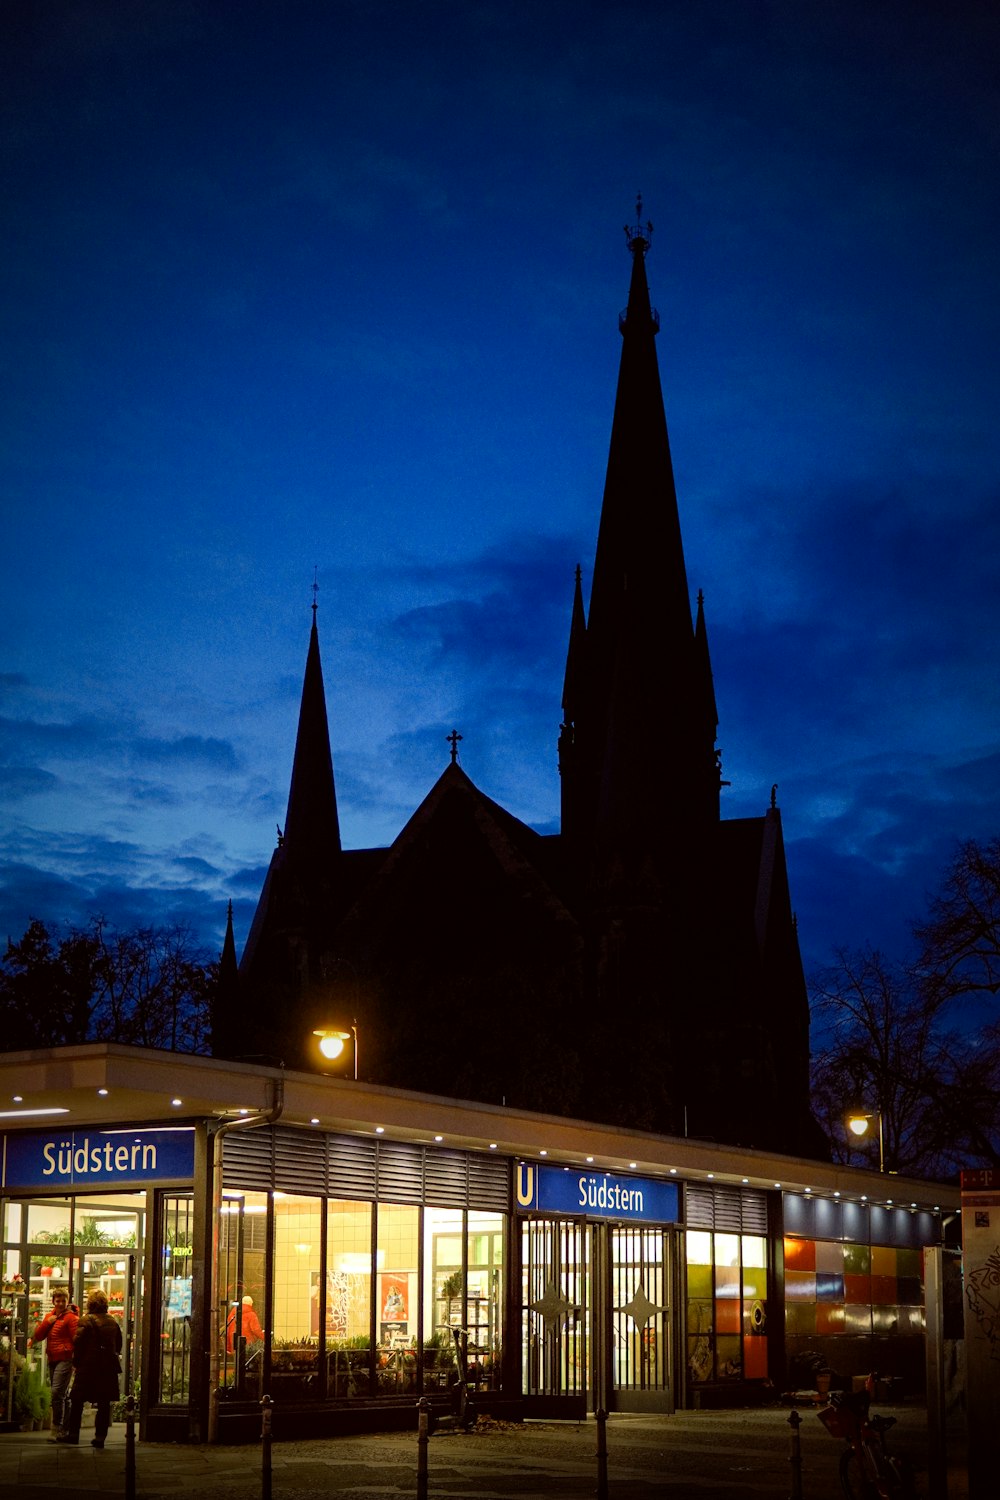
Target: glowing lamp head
332, 1043
859, 1124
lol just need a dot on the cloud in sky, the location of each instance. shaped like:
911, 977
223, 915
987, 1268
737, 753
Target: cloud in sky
295, 287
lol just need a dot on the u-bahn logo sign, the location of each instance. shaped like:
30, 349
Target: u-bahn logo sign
594, 1195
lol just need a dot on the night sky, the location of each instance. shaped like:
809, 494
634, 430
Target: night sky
299, 286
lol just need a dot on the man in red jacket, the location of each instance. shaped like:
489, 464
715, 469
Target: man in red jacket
57, 1331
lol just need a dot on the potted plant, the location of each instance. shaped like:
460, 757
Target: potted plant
28, 1396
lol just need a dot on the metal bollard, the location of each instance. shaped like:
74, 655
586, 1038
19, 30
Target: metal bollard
130, 1448
265, 1448
423, 1433
795, 1422
602, 1455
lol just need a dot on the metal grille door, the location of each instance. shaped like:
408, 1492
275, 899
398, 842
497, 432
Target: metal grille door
555, 1297
640, 1310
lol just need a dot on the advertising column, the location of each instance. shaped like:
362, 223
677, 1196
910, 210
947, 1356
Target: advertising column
981, 1264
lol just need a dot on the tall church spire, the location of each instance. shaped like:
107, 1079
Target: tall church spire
312, 828
642, 737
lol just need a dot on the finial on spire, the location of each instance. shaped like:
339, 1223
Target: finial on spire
774, 796
315, 591
453, 740
638, 236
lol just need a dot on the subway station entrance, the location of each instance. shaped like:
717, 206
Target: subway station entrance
597, 1297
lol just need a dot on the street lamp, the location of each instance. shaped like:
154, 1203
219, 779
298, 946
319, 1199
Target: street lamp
333, 1041
860, 1124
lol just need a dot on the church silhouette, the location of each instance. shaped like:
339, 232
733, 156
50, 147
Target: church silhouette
641, 967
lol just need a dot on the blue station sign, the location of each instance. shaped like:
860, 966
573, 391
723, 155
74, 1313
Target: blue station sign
69, 1159
594, 1195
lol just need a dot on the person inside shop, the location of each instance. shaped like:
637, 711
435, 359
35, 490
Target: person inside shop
249, 1325
57, 1331
96, 1369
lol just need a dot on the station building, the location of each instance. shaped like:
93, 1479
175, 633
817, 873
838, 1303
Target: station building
585, 1266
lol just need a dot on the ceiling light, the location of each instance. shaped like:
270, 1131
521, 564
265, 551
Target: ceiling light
21, 1114
543, 1153
807, 1190
176, 1102
745, 1179
590, 1158
439, 1137
380, 1130
632, 1163
673, 1171
710, 1175
18, 1098
314, 1120
103, 1093
493, 1145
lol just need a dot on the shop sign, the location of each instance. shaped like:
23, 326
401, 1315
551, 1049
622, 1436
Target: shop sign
594, 1195
93, 1158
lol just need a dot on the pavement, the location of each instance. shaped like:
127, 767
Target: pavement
743, 1455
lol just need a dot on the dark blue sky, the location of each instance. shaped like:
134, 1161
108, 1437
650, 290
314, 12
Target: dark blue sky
292, 285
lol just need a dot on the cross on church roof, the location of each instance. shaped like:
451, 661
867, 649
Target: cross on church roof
453, 740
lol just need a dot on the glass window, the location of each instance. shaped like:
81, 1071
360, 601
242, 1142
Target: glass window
242, 1290
296, 1295
727, 1306
176, 1243
348, 1309
397, 1266
484, 1304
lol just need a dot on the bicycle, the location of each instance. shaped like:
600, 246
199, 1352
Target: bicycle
868, 1471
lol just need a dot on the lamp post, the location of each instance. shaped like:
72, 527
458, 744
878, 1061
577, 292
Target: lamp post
859, 1124
332, 1042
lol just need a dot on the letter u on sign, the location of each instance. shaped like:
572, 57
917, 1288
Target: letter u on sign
525, 1184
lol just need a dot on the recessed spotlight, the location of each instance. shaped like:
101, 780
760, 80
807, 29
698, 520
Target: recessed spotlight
807, 1190
314, 1120
836, 1193
590, 1158
777, 1184
673, 1171
864, 1197
103, 1093
493, 1145
439, 1137
176, 1102
244, 1111
18, 1098
745, 1179
888, 1203
710, 1175
632, 1163
380, 1130
543, 1153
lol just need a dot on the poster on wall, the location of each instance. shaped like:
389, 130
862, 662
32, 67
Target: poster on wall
394, 1309
338, 1302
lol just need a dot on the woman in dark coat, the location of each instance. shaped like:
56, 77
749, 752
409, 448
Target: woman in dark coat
96, 1368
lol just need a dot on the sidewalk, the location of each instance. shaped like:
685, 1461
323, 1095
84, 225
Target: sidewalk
726, 1455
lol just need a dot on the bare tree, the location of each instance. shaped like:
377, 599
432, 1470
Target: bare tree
881, 1054
960, 940
145, 986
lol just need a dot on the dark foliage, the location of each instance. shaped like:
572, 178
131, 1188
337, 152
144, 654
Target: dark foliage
149, 987
919, 1044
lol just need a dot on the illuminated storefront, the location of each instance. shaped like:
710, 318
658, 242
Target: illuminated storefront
584, 1266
